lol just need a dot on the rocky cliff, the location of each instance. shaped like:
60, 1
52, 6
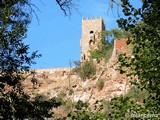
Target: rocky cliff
67, 84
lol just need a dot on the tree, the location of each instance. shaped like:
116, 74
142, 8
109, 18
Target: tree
144, 24
14, 58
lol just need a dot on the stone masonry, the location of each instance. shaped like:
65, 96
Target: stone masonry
91, 37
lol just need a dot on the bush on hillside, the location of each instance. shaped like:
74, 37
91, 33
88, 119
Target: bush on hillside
85, 69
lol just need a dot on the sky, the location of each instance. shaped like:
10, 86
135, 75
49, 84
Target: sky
57, 37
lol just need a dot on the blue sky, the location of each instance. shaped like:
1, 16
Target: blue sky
57, 37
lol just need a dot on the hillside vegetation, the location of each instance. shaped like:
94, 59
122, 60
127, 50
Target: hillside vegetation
90, 83
118, 85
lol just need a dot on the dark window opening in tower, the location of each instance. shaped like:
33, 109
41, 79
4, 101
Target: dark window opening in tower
91, 42
84, 57
91, 32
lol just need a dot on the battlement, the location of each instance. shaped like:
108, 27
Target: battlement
92, 18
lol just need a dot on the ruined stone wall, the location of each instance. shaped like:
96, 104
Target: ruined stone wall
91, 37
122, 47
54, 72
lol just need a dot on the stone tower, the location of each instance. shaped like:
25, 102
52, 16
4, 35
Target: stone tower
91, 37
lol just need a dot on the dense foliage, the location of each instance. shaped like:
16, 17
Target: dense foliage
144, 64
83, 112
15, 16
119, 33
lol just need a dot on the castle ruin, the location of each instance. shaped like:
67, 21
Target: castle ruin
54, 81
91, 37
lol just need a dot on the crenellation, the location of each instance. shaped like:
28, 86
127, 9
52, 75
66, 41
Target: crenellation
92, 18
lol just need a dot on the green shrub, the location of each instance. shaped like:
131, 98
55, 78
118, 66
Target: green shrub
77, 66
96, 54
87, 70
80, 105
118, 33
71, 91
136, 101
83, 112
84, 69
41, 97
61, 95
68, 105
100, 84
105, 49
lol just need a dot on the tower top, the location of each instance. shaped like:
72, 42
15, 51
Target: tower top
92, 18
92, 24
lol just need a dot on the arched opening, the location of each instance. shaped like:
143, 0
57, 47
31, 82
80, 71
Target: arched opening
91, 42
91, 32
84, 57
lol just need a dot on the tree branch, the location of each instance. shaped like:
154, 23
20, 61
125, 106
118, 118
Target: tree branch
66, 6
